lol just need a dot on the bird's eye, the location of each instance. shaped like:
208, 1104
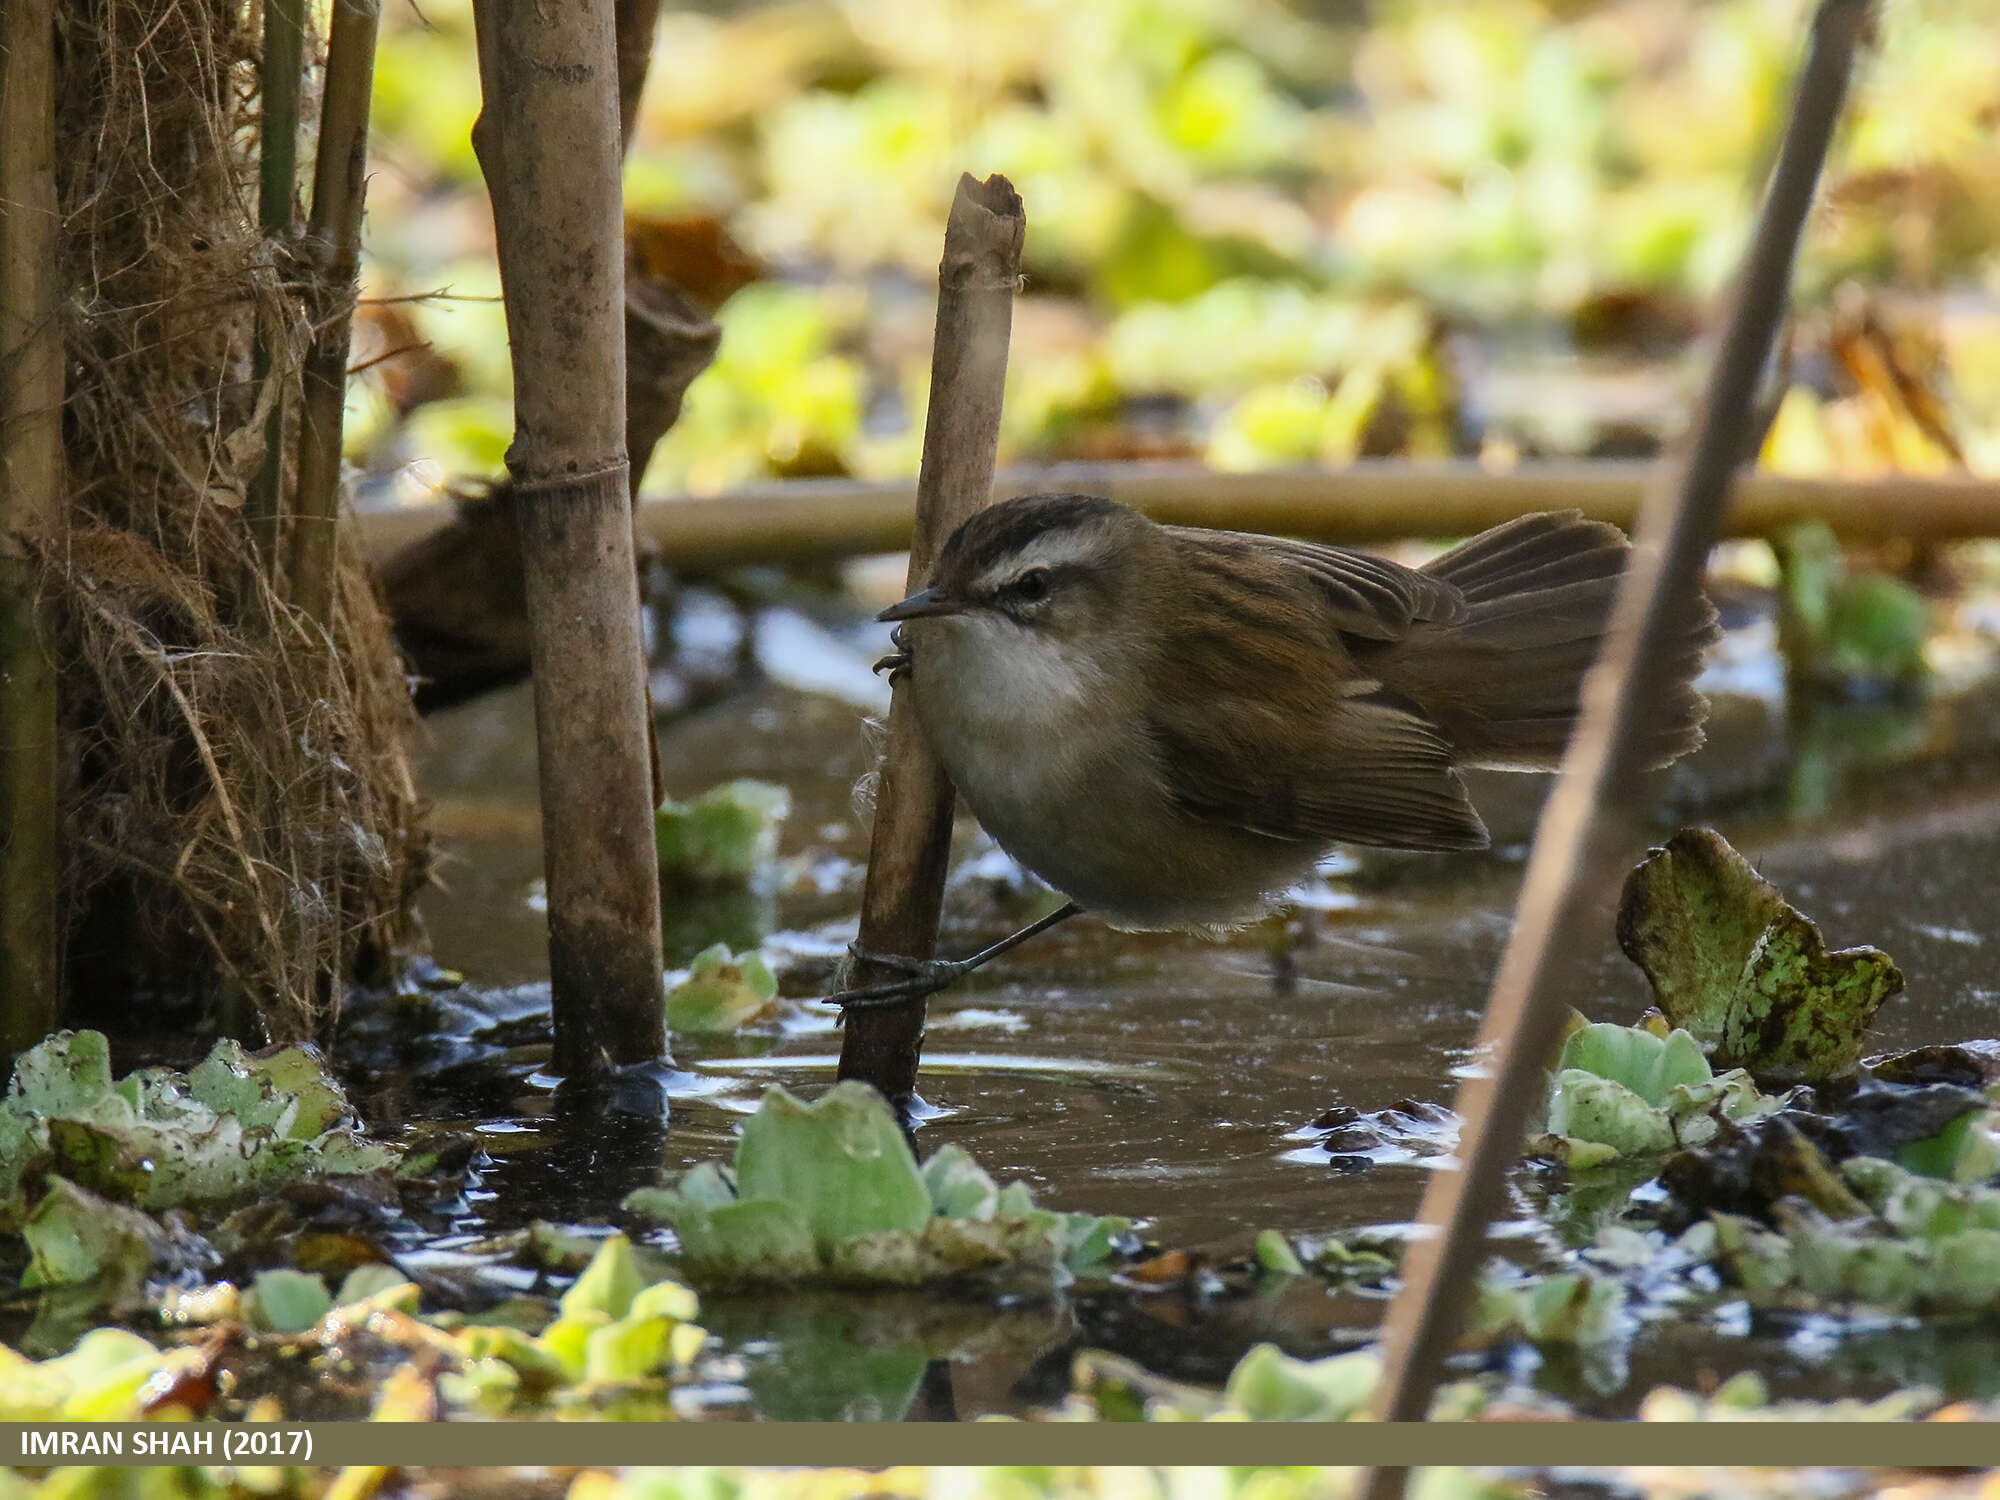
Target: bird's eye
1031, 587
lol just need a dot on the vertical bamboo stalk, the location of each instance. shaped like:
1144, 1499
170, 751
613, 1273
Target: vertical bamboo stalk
278, 72
547, 138
31, 499
1581, 833
911, 841
333, 238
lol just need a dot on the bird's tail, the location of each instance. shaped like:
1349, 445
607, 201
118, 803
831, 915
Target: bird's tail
1504, 681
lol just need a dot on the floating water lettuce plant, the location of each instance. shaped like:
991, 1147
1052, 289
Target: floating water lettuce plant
828, 1192
1746, 975
721, 992
239, 1123
1567, 1307
612, 1328
105, 1378
1840, 627
1626, 1091
1921, 1244
726, 836
1269, 1385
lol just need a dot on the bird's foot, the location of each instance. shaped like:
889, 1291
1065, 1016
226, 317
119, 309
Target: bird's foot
897, 662
922, 977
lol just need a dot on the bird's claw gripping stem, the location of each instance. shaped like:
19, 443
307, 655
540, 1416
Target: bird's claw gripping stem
922, 977
897, 662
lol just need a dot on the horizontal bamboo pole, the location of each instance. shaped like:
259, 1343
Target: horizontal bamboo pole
1374, 500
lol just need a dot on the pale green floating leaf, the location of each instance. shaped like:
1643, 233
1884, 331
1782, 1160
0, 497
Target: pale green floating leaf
727, 835
666, 1299
157, 1139
759, 1239
626, 1351
840, 1160
63, 1075
100, 1380
959, 1187
1966, 1150
829, 1192
74, 1236
287, 1301
1268, 1385
1966, 1271
607, 1285
376, 1283
722, 991
1605, 1113
1646, 1064
1568, 1307
533, 1363
1091, 1240
1275, 1254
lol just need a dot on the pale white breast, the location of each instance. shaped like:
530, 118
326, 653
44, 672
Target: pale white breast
1016, 719
1052, 770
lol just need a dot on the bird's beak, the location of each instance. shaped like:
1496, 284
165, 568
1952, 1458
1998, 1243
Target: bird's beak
923, 602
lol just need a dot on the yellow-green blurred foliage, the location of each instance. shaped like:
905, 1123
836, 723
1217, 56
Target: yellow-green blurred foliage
1274, 228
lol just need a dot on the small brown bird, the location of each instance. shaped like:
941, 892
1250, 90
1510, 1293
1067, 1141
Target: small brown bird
1171, 726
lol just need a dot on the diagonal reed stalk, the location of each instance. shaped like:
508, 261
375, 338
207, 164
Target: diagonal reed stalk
1584, 831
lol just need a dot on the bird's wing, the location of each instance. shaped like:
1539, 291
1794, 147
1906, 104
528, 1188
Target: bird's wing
1363, 595
1369, 769
1274, 726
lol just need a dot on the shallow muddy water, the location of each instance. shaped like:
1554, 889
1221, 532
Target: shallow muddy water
1170, 1079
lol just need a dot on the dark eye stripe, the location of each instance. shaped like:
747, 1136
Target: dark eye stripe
1012, 603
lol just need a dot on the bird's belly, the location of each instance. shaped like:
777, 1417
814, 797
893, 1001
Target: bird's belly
1079, 803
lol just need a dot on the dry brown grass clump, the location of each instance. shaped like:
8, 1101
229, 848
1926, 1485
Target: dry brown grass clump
238, 804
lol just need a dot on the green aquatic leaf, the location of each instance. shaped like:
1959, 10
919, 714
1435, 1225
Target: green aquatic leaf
727, 835
959, 1187
1966, 1150
1646, 1064
1603, 1112
287, 1301
100, 1380
74, 1236
840, 1160
721, 992
1268, 1385
760, 1239
379, 1285
63, 1075
238, 1124
829, 1192
608, 1284
1567, 1307
1275, 1254
285, 1088
1750, 977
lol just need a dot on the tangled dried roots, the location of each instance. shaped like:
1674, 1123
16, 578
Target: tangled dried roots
238, 796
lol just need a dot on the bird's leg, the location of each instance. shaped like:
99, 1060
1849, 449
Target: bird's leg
926, 976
